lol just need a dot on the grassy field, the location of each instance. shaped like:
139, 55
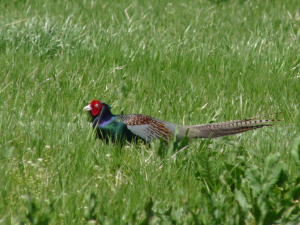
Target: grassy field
182, 61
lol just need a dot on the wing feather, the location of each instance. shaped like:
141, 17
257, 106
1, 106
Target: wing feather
146, 127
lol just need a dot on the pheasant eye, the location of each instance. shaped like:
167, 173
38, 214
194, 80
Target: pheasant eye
97, 105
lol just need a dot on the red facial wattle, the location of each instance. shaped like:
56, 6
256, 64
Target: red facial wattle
96, 107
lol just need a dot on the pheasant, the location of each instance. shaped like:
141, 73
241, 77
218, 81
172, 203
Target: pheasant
136, 126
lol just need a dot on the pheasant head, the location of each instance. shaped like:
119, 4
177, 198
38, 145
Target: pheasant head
100, 112
94, 107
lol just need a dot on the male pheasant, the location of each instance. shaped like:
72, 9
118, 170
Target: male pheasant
136, 126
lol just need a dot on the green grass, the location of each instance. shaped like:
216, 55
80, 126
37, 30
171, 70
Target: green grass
182, 62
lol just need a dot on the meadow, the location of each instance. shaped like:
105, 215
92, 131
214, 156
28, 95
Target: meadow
186, 62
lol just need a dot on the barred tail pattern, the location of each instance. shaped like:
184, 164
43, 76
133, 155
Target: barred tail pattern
227, 128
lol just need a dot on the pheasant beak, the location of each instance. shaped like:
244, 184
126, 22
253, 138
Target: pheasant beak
87, 108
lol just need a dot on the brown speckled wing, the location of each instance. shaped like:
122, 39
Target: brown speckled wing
146, 127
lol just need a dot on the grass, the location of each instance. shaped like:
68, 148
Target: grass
180, 61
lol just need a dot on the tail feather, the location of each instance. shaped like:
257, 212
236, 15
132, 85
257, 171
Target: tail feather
214, 130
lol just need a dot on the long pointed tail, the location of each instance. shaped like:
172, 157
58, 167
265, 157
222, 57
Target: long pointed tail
227, 128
